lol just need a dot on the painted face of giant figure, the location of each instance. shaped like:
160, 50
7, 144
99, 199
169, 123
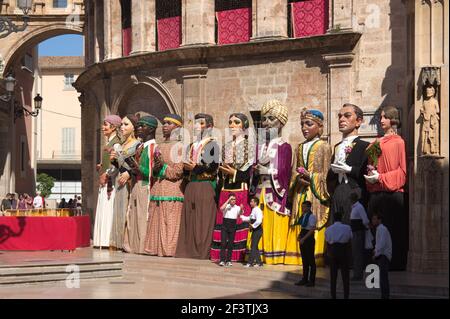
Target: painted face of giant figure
270, 121
144, 132
127, 128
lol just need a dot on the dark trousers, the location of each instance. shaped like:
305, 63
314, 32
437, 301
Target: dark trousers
308, 261
383, 263
395, 218
340, 201
255, 257
339, 259
358, 253
227, 239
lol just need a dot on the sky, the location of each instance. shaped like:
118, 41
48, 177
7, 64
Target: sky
63, 45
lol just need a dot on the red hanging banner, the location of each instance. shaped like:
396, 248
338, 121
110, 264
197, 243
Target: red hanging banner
169, 33
309, 17
126, 41
234, 26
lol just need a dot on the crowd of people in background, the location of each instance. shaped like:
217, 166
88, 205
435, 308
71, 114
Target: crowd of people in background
23, 202
26, 202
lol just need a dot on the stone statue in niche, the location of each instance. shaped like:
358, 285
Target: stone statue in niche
429, 119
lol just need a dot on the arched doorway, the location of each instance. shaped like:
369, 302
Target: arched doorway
148, 95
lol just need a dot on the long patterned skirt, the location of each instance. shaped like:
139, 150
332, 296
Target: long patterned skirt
163, 228
136, 227
119, 218
240, 238
197, 221
103, 218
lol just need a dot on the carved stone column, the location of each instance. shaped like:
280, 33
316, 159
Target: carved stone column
269, 19
90, 136
198, 22
112, 20
428, 178
342, 13
194, 92
339, 89
143, 26
99, 30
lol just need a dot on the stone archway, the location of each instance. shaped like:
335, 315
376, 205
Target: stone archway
146, 94
32, 38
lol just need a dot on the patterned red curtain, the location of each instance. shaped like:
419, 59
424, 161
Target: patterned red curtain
234, 21
309, 17
126, 41
168, 24
126, 27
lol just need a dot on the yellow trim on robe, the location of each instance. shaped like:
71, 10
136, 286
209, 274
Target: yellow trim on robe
301, 194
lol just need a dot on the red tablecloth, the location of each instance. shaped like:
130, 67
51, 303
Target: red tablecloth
44, 233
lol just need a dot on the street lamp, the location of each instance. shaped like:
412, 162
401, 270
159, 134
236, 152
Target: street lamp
10, 83
20, 111
7, 26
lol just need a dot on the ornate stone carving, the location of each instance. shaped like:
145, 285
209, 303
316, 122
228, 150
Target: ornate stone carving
429, 113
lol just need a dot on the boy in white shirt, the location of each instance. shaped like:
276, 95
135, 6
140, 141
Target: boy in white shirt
255, 219
383, 253
230, 213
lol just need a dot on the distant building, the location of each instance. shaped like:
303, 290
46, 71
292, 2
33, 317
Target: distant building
58, 128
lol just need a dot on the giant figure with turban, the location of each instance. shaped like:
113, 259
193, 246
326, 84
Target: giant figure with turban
273, 173
166, 194
308, 183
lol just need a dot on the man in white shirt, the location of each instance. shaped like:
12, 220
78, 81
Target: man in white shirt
230, 214
255, 219
359, 224
38, 202
382, 253
338, 237
308, 222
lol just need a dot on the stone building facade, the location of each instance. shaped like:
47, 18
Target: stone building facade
18, 50
370, 53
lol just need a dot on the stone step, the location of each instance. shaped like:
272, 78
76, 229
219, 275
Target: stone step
33, 279
21, 274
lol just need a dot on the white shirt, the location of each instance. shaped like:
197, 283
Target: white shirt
231, 212
255, 214
37, 202
358, 212
306, 147
341, 156
338, 233
312, 221
383, 242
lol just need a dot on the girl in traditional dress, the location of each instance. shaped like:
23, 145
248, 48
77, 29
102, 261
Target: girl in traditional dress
308, 184
386, 179
138, 213
106, 195
199, 206
166, 194
238, 157
122, 157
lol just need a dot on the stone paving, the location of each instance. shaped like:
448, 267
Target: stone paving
171, 278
